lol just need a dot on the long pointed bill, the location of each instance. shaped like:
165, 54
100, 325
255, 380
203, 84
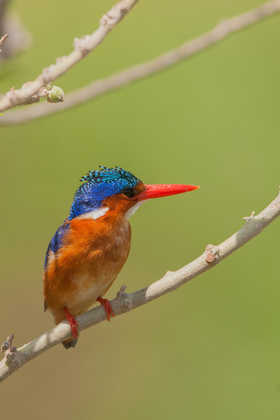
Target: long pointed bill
163, 190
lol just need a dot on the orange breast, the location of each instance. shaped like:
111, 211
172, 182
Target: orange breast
90, 259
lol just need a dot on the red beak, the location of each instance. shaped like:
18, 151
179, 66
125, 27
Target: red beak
163, 190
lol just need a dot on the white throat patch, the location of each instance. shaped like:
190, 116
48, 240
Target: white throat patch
132, 210
94, 214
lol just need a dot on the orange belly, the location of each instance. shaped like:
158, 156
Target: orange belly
90, 259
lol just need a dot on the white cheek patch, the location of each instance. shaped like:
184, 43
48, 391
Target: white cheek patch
132, 210
94, 214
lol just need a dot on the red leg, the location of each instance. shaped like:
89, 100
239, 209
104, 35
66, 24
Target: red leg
73, 323
107, 307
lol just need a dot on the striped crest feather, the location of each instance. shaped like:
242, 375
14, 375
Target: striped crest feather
110, 176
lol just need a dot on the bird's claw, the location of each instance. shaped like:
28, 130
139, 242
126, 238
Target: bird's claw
107, 307
73, 323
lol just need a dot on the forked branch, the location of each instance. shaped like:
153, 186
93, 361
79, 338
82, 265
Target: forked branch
30, 91
138, 72
16, 357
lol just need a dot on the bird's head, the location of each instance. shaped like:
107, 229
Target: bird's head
116, 187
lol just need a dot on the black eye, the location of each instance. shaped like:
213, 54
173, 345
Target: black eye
129, 192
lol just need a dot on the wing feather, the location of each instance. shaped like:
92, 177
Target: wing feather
56, 242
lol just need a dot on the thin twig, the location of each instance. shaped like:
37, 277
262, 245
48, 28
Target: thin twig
19, 38
3, 12
82, 47
2, 40
142, 71
126, 302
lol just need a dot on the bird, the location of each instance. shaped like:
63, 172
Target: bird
89, 249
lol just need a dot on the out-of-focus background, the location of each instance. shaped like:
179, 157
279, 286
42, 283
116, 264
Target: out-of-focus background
211, 349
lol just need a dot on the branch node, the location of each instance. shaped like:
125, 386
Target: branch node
212, 253
7, 345
12, 96
124, 301
2, 40
168, 274
122, 292
108, 20
11, 355
251, 217
33, 98
15, 99
43, 92
46, 74
83, 45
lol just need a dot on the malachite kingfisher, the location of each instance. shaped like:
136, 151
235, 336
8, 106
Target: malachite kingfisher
89, 249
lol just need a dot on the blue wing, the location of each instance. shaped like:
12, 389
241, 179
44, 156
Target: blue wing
56, 241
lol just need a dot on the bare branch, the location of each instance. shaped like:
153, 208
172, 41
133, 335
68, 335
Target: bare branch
213, 255
82, 47
185, 51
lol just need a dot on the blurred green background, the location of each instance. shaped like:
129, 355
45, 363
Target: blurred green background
210, 349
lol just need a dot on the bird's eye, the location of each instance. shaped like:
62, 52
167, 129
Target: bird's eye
129, 192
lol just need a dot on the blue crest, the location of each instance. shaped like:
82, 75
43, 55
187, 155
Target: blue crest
98, 185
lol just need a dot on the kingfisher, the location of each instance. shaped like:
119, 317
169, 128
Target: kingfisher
89, 249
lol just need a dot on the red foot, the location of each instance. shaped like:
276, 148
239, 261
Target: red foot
73, 323
107, 307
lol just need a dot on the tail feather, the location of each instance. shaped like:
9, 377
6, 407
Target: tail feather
69, 343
